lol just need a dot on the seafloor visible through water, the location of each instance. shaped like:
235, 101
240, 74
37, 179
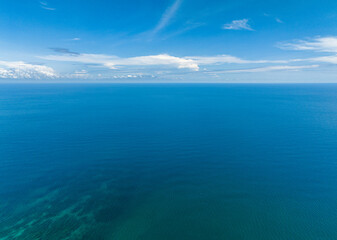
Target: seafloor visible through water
250, 162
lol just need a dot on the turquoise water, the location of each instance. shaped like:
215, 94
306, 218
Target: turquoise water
168, 162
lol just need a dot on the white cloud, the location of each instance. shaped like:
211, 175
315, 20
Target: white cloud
75, 39
319, 44
191, 62
278, 20
271, 16
325, 59
83, 74
21, 69
48, 8
238, 25
162, 59
135, 75
221, 59
272, 68
44, 5
217, 59
113, 62
167, 16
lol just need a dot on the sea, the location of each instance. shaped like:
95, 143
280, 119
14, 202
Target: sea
168, 161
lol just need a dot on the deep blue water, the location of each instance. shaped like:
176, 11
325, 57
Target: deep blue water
250, 162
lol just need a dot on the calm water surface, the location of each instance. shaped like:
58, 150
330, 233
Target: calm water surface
250, 162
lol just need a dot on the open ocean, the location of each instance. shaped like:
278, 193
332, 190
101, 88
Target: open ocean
166, 161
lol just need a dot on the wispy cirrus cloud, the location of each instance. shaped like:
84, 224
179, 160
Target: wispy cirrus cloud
325, 59
221, 59
45, 6
167, 16
188, 26
64, 51
238, 25
272, 16
278, 20
20, 69
318, 44
272, 68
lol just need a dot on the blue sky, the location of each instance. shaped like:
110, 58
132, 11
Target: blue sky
168, 41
